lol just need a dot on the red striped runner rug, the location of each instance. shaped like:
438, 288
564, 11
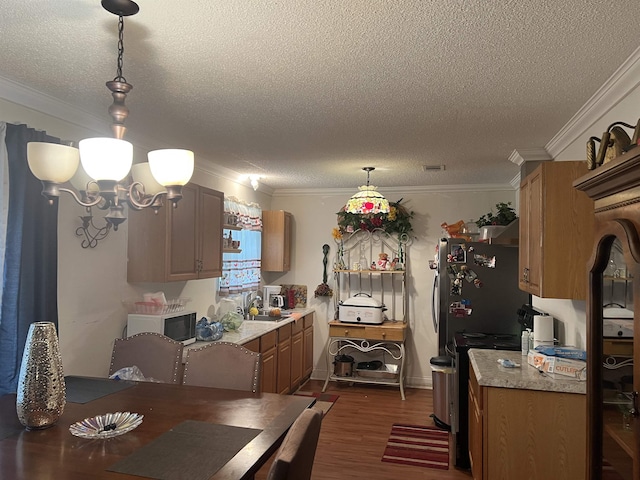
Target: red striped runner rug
418, 445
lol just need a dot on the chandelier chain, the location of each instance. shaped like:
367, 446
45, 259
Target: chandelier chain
119, 77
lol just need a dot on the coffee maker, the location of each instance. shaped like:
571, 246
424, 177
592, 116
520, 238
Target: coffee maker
271, 296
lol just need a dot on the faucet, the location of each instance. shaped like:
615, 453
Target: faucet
250, 300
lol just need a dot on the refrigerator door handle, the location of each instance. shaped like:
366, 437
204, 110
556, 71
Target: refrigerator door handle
434, 307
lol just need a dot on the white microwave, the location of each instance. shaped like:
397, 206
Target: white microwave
180, 326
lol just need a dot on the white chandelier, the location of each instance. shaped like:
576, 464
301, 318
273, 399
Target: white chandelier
107, 161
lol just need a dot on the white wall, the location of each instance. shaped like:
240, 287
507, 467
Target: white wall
314, 217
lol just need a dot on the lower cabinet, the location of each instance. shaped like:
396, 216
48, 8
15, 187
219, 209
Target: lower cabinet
517, 433
284, 360
287, 356
308, 346
297, 352
269, 353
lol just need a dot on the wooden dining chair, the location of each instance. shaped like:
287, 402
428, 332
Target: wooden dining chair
294, 460
223, 365
157, 356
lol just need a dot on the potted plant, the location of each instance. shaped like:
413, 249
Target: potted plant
491, 224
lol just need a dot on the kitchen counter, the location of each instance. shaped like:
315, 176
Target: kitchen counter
252, 329
491, 374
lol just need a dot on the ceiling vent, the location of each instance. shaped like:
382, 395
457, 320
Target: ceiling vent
432, 168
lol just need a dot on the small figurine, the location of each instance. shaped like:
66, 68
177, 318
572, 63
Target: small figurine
383, 261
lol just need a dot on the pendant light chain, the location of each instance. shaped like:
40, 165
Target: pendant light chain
119, 77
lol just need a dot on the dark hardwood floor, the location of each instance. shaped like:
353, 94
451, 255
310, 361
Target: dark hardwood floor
355, 432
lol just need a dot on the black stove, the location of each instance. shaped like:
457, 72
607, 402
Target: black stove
462, 342
498, 341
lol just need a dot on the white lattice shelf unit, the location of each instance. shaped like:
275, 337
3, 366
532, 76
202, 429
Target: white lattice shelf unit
386, 340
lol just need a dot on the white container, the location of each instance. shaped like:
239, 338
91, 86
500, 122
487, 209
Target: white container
361, 308
542, 330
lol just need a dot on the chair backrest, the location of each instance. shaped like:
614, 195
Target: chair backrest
294, 460
157, 356
222, 365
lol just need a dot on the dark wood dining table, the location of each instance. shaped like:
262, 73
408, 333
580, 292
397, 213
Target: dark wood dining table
54, 453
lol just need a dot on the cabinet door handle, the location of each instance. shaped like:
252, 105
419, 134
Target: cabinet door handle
346, 333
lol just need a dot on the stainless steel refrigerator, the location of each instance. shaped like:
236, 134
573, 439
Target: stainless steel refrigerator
475, 290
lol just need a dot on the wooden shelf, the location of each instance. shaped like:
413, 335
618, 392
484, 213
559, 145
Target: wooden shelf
613, 427
231, 250
231, 227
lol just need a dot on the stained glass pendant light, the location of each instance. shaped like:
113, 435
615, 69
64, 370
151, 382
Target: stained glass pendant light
367, 200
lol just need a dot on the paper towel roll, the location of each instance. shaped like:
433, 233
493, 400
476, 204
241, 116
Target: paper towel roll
542, 330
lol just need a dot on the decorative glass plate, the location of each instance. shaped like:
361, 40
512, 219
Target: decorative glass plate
107, 425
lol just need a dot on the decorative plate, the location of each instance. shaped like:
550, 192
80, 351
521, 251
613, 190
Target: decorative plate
107, 425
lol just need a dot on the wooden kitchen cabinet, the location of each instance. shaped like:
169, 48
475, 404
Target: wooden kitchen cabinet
297, 354
518, 433
308, 346
276, 241
178, 244
269, 353
556, 232
287, 356
475, 427
267, 346
284, 360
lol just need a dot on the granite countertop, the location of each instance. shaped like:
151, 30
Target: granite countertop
252, 329
491, 374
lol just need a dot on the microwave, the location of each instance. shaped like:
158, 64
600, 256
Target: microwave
179, 326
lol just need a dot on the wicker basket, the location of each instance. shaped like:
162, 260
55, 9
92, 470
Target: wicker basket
151, 308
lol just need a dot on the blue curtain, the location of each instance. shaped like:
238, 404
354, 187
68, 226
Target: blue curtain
30, 290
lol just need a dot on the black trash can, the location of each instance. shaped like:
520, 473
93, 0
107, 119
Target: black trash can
442, 370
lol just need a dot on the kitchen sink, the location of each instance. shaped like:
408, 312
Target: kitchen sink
266, 318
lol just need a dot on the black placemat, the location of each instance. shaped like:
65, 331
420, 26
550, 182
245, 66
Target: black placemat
84, 390
9, 430
191, 450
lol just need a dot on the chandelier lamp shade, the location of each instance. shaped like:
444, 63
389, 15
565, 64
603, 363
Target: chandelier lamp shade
99, 167
367, 200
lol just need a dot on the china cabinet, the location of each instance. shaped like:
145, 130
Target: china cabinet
613, 428
178, 244
360, 269
556, 225
276, 241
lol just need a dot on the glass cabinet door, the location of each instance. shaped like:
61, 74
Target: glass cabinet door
618, 443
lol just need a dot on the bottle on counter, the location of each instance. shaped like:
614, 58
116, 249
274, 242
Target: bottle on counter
525, 342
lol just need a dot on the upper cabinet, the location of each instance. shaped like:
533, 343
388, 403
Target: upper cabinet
178, 244
556, 232
276, 241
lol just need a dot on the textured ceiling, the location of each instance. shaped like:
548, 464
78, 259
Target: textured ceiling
307, 92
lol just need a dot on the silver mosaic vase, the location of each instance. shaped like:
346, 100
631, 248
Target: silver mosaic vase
41, 389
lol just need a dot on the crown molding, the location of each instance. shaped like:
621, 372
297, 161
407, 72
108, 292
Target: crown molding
311, 192
41, 102
625, 79
519, 157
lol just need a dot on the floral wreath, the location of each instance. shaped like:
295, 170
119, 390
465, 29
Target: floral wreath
398, 220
